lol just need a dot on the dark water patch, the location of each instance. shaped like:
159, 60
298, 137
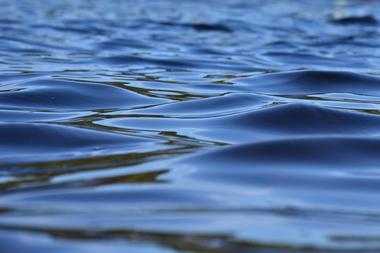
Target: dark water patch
355, 20
312, 81
305, 119
326, 152
201, 27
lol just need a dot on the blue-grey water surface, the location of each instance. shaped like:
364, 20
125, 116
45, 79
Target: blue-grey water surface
190, 126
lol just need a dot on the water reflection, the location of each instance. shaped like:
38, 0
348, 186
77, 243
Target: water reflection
189, 126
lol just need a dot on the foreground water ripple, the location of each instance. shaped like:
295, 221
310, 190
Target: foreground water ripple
189, 126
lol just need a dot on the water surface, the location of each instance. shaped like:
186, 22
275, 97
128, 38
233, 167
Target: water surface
189, 126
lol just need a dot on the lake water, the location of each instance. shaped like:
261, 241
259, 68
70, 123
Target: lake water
189, 126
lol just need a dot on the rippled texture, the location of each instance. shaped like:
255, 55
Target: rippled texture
189, 126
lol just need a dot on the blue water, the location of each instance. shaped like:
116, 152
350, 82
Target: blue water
189, 126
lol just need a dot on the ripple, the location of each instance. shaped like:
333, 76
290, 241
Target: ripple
260, 123
306, 119
318, 151
300, 170
215, 105
64, 95
314, 82
189, 126
43, 142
